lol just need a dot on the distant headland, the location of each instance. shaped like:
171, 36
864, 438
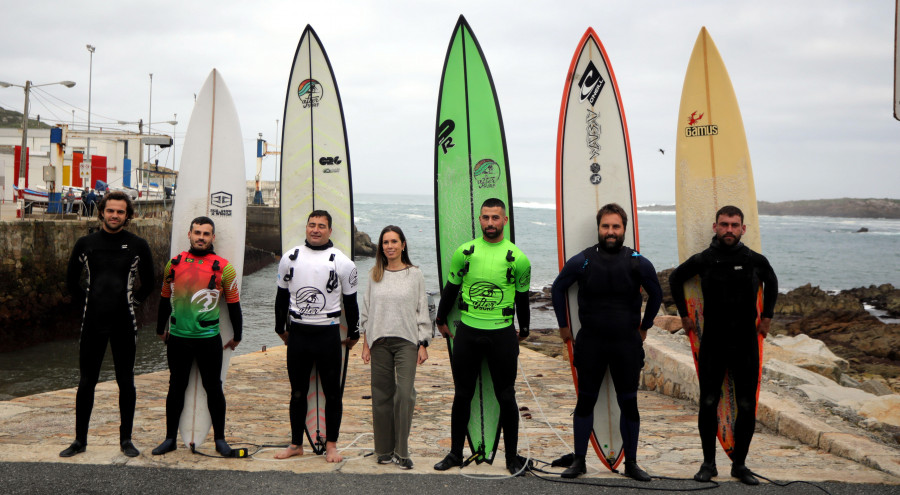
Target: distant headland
841, 207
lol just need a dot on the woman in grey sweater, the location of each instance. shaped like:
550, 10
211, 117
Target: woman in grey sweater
397, 329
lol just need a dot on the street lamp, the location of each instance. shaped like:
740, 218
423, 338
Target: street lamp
174, 123
150, 117
23, 157
91, 49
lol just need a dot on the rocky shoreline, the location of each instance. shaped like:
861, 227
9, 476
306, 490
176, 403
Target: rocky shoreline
870, 346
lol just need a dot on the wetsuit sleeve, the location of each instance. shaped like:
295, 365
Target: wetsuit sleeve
567, 276
349, 278
237, 319
679, 276
523, 313
523, 273
73, 272
351, 310
145, 270
166, 291
282, 305
457, 263
770, 286
284, 267
650, 283
163, 314
230, 286
448, 299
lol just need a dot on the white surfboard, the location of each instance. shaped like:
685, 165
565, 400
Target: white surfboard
211, 183
593, 168
315, 175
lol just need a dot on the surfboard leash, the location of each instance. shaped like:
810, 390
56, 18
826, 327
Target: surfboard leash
789, 482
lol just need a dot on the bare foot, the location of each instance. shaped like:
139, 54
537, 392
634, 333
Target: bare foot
291, 451
331, 452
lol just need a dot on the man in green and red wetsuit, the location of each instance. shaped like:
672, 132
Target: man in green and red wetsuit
194, 281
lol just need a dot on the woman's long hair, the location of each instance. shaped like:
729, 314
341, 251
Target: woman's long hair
381, 260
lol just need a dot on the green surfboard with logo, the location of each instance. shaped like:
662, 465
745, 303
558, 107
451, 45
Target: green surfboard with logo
470, 166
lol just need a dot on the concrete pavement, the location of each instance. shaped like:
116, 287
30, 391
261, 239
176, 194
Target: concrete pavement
34, 429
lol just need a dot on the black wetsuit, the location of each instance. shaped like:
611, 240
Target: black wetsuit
730, 278
609, 310
102, 275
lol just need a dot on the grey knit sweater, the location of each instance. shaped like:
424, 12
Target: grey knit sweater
396, 307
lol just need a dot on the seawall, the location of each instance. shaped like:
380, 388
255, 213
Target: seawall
35, 305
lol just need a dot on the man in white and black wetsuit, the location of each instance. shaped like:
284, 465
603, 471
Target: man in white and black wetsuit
314, 279
102, 274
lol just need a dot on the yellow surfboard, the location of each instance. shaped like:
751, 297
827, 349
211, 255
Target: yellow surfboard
712, 169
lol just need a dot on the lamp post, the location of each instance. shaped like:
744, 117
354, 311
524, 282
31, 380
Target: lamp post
150, 117
174, 122
91, 49
23, 157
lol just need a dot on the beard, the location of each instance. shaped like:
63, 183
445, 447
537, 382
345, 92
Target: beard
611, 243
729, 239
110, 228
492, 234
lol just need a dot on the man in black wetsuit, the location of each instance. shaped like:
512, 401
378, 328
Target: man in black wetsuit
730, 276
102, 272
609, 277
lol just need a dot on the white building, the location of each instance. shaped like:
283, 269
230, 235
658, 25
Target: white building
56, 159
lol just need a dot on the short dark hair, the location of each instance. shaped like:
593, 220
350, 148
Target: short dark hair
202, 221
320, 213
494, 203
730, 211
119, 196
612, 208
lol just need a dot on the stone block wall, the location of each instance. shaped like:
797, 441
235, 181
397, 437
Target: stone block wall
35, 305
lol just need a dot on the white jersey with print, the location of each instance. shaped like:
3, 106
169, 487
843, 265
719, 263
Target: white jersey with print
316, 280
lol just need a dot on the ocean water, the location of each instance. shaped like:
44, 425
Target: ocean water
825, 252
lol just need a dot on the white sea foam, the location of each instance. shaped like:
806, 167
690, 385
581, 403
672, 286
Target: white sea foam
534, 204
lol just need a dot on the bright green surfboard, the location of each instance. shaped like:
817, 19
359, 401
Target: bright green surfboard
470, 166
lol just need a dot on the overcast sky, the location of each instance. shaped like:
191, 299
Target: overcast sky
814, 78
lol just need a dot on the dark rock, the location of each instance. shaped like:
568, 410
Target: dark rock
876, 387
808, 299
862, 229
362, 244
884, 297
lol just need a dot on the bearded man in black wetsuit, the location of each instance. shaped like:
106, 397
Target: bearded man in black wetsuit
102, 275
609, 276
730, 276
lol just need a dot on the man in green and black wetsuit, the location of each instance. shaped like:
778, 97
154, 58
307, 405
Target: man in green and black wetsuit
492, 276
